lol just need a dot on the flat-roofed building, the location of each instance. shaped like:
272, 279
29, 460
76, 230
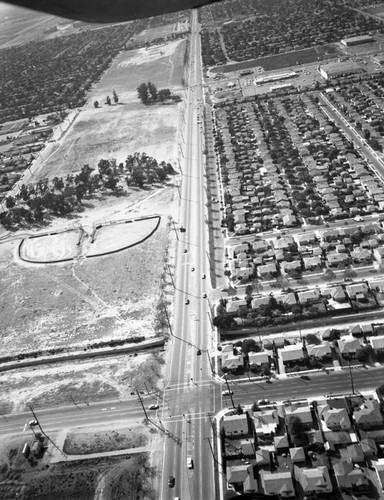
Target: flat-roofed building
356, 40
336, 69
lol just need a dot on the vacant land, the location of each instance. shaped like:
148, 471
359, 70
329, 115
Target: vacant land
116, 478
86, 443
81, 382
121, 129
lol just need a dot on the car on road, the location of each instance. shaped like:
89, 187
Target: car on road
203, 276
192, 268
171, 481
204, 295
227, 392
153, 407
189, 463
263, 402
33, 423
185, 250
186, 302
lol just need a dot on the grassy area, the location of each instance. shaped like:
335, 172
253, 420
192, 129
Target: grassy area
86, 443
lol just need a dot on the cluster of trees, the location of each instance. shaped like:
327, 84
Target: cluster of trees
46, 76
149, 94
58, 197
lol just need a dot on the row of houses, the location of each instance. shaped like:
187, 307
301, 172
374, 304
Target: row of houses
336, 434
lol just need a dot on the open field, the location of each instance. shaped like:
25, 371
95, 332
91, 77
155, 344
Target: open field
115, 478
162, 31
111, 297
52, 247
86, 443
121, 129
85, 381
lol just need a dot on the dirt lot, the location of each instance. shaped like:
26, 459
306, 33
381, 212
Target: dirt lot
80, 382
86, 443
123, 477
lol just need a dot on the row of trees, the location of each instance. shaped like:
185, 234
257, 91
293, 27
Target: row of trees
61, 196
149, 94
108, 101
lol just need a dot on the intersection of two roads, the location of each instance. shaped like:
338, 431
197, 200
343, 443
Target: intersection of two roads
192, 396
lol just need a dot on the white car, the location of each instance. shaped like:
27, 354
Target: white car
33, 423
189, 463
153, 407
227, 393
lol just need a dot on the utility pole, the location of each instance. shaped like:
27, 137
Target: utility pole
170, 274
351, 377
210, 362
230, 392
174, 227
169, 323
43, 433
142, 405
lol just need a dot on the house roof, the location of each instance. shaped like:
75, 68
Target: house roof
315, 479
239, 473
377, 342
279, 483
313, 294
235, 424
262, 456
369, 412
265, 417
348, 345
319, 350
292, 352
356, 288
268, 268
335, 416
288, 298
303, 412
232, 361
297, 454
257, 358
281, 441
347, 476
368, 446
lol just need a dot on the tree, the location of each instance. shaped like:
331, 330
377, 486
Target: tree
96, 104
164, 94
313, 339
115, 97
108, 100
152, 90
142, 91
249, 345
10, 202
137, 176
329, 275
350, 273
297, 429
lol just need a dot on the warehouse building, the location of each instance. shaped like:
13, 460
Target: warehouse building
357, 40
336, 69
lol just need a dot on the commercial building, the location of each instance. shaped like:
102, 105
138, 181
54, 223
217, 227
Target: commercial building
336, 69
356, 40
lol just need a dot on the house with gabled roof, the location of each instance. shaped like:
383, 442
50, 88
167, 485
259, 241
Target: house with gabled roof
302, 412
247, 447
377, 342
336, 419
261, 300
369, 448
260, 246
291, 267
305, 239
349, 346
258, 358
292, 352
313, 263
278, 484
313, 481
309, 296
353, 453
337, 260
350, 479
357, 290
368, 414
267, 271
243, 477
266, 421
236, 307
319, 351
231, 361
288, 299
